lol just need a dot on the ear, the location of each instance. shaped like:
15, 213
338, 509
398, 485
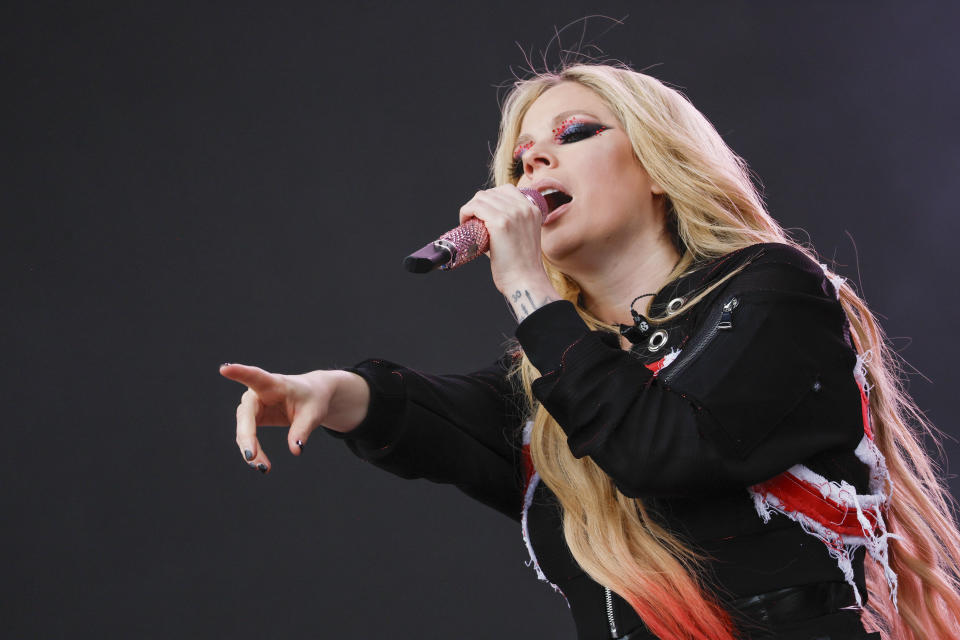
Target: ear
656, 189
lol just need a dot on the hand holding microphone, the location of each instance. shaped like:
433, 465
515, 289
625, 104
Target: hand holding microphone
501, 207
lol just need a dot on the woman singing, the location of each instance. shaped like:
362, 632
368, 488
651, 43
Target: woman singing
699, 427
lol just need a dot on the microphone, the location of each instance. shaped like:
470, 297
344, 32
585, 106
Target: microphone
463, 244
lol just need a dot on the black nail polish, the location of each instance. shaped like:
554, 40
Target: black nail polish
262, 467
248, 454
252, 465
300, 444
225, 364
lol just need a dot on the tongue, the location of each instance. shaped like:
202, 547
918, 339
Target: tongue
556, 199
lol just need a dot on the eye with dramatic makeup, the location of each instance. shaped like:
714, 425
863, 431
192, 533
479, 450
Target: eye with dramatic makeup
570, 130
575, 129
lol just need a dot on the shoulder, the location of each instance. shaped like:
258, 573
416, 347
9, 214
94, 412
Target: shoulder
762, 254
773, 267
770, 266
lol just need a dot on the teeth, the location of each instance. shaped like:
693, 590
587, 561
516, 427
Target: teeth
548, 191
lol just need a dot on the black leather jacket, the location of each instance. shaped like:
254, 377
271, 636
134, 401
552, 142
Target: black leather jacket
758, 386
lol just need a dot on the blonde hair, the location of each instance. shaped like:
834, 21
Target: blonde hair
713, 208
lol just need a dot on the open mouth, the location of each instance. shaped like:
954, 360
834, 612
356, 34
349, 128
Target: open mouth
555, 198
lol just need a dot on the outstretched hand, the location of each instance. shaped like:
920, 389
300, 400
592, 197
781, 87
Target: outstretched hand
337, 399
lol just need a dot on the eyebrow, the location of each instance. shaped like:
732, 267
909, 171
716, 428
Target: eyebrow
560, 117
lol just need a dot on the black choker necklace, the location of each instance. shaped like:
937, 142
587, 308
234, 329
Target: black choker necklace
640, 328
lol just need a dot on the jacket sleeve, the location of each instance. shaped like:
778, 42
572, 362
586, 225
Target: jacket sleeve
748, 402
453, 429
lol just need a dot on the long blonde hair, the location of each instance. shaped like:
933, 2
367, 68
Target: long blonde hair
713, 208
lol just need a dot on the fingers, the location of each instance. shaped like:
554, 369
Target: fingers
500, 203
267, 385
247, 412
263, 387
300, 429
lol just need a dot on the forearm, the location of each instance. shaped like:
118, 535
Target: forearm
454, 429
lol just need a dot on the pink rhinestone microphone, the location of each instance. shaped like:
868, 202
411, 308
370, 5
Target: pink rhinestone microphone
463, 244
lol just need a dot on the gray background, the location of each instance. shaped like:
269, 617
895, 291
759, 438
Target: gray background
187, 184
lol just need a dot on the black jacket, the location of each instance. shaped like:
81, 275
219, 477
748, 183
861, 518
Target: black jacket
770, 388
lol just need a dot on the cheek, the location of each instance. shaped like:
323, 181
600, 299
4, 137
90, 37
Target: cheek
604, 177
620, 202
619, 183
614, 162
631, 181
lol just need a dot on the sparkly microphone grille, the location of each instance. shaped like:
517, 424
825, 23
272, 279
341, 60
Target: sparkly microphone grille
463, 244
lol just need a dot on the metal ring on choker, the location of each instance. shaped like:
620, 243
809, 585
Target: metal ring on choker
674, 305
657, 340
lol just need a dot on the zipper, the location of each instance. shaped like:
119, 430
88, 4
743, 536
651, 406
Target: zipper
726, 314
721, 319
613, 624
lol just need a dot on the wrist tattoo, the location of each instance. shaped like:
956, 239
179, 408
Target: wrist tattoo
522, 304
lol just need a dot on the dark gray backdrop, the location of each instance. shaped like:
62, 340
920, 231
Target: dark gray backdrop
188, 184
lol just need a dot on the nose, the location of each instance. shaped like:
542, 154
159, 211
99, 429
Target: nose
538, 156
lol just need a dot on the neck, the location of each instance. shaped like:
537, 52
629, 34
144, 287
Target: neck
610, 287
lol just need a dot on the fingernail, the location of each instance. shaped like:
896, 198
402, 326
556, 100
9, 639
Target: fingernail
248, 454
225, 364
252, 465
262, 467
300, 444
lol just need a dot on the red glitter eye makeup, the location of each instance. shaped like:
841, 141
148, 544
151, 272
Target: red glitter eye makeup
521, 149
570, 130
517, 169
